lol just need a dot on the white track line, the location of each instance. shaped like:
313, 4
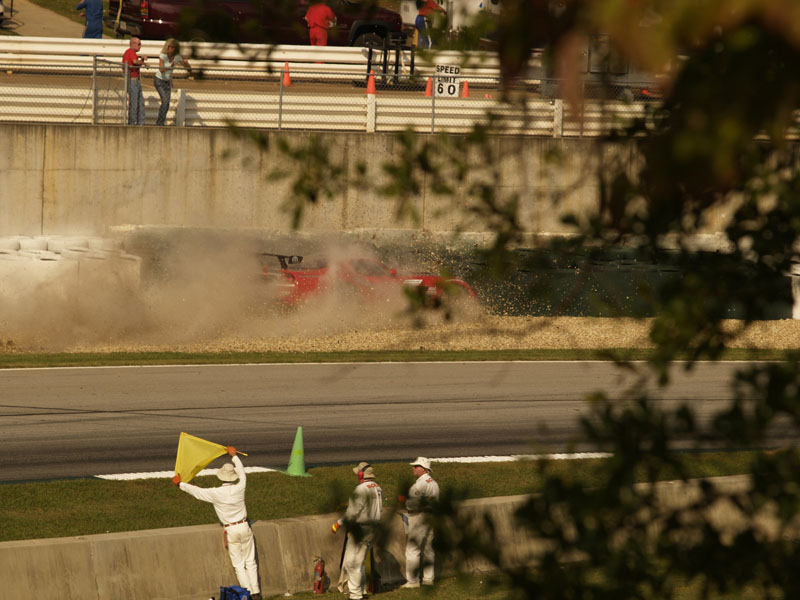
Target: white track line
171, 474
461, 459
484, 459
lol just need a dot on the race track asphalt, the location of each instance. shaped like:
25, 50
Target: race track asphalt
70, 422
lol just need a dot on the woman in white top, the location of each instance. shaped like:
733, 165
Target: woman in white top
167, 61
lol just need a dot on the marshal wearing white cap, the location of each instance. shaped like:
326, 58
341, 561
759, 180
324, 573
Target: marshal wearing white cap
362, 518
228, 502
419, 546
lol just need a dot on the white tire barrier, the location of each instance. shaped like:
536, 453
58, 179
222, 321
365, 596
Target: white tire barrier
40, 254
9, 243
58, 243
32, 244
67, 265
76, 252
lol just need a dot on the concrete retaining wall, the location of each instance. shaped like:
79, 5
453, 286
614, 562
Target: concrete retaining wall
190, 562
65, 179
77, 179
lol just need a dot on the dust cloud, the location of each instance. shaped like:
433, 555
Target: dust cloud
198, 292
207, 292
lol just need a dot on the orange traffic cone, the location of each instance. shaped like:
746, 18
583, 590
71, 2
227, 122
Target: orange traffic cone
287, 81
465, 89
429, 88
371, 82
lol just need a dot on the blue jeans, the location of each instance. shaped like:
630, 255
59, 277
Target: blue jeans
135, 102
423, 39
94, 28
164, 89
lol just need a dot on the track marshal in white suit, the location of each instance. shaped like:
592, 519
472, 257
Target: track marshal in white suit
419, 546
228, 502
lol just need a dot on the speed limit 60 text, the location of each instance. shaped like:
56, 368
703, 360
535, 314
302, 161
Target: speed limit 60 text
447, 81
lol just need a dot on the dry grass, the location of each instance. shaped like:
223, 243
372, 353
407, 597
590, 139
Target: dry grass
486, 333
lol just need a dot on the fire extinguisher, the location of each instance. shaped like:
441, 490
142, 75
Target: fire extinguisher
319, 576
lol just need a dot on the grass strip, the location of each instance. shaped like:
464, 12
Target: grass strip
73, 507
457, 588
94, 359
491, 587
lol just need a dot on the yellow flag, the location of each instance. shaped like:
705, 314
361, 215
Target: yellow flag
194, 454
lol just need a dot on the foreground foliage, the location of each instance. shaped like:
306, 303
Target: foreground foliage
719, 139
720, 146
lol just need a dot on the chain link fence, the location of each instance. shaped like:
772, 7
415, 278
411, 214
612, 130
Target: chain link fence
109, 93
320, 100
63, 93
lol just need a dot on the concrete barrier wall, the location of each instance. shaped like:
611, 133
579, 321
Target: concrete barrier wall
65, 179
76, 179
73, 179
191, 562
182, 562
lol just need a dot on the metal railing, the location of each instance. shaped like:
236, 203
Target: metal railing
60, 80
43, 53
321, 100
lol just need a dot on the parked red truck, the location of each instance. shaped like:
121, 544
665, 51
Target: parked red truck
252, 21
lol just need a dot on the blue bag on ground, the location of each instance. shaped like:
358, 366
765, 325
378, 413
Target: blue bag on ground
234, 592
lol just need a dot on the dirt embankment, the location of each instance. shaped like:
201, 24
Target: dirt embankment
488, 333
296, 333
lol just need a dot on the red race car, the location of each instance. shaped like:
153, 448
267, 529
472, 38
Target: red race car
297, 280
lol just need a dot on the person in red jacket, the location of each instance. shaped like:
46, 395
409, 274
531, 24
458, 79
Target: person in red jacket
430, 16
319, 17
430, 6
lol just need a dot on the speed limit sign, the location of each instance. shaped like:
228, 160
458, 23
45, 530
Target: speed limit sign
447, 81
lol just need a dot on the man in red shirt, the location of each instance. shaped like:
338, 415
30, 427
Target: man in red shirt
135, 96
319, 17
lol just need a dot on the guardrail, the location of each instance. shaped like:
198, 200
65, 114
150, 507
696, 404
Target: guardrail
41, 53
81, 81
323, 101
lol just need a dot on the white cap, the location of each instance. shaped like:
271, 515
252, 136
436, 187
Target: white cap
422, 462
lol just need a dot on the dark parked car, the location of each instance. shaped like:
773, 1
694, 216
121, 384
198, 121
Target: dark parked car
253, 21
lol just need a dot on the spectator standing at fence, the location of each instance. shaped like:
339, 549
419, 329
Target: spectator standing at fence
319, 18
135, 96
167, 61
94, 18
